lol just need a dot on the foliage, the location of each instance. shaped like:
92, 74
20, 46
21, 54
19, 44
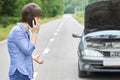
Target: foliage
20, 4
79, 18
7, 7
71, 6
4, 32
51, 8
6, 20
13, 8
91, 1
10, 10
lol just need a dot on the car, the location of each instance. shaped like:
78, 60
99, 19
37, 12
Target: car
99, 46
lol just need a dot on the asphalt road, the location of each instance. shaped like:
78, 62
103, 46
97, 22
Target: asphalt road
56, 42
61, 59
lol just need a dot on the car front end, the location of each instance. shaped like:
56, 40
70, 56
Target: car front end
100, 51
99, 47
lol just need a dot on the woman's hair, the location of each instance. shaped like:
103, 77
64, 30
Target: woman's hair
30, 11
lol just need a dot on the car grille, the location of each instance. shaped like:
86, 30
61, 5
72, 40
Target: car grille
100, 66
106, 54
111, 54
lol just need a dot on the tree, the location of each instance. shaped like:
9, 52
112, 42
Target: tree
20, 4
91, 1
72, 6
8, 7
1, 2
52, 8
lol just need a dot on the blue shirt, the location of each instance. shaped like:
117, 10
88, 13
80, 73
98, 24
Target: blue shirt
20, 50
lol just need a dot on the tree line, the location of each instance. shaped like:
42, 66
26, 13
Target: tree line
13, 8
50, 8
10, 10
72, 5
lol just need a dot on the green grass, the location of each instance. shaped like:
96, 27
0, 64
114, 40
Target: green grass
5, 31
79, 17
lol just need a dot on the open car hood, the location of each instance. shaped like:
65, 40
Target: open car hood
102, 15
106, 34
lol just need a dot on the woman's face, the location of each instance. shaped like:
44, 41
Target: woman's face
37, 19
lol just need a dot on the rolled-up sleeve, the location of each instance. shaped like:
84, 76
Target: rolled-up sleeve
23, 43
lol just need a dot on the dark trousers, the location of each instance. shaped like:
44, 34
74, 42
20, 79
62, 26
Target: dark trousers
18, 76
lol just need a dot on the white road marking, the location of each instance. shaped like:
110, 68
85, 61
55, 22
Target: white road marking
35, 74
46, 50
55, 33
61, 25
58, 30
52, 39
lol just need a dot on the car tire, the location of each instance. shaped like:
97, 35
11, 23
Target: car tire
81, 74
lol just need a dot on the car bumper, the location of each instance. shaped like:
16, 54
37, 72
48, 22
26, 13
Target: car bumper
99, 64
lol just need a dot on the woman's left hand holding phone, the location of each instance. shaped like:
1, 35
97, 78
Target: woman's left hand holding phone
36, 27
35, 30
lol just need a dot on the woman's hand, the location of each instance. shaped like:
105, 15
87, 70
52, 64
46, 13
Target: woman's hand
36, 27
35, 30
36, 59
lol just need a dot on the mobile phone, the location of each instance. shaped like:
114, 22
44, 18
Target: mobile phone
30, 22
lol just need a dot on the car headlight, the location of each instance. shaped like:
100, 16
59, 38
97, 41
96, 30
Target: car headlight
91, 53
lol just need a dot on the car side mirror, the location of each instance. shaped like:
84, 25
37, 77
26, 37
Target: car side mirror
77, 35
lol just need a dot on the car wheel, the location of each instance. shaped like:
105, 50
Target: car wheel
81, 74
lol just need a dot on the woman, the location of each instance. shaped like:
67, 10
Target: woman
21, 43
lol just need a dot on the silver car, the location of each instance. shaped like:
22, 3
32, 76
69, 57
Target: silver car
99, 47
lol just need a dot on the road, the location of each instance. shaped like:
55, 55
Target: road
56, 42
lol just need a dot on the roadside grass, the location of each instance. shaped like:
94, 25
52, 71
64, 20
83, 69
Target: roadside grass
79, 17
5, 31
44, 20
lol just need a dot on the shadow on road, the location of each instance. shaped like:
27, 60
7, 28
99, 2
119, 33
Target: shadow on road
104, 76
